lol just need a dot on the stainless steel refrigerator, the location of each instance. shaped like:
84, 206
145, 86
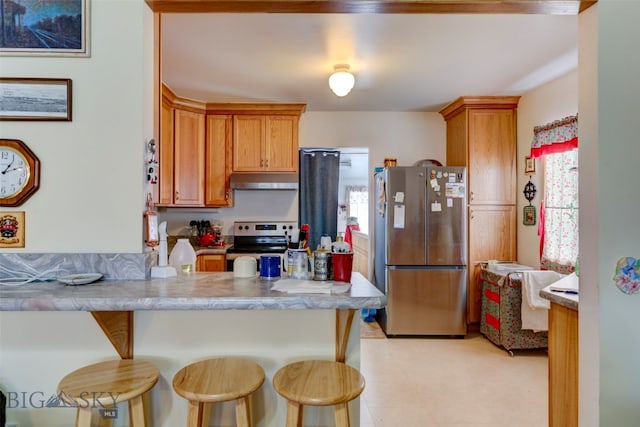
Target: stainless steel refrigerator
420, 249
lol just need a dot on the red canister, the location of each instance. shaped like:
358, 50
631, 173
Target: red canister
342, 266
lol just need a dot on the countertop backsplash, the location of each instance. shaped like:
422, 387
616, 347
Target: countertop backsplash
49, 266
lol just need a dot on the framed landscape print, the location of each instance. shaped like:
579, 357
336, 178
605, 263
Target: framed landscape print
35, 99
44, 27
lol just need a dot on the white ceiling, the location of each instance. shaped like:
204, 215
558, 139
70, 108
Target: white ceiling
415, 62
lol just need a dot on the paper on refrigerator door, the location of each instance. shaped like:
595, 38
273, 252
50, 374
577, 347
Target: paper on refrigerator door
398, 216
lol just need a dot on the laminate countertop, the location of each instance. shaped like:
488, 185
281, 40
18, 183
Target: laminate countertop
195, 291
566, 299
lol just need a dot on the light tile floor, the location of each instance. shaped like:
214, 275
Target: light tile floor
447, 382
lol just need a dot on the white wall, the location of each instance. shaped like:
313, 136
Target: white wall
617, 233
589, 316
405, 136
552, 101
91, 188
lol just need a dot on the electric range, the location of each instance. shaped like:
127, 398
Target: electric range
257, 238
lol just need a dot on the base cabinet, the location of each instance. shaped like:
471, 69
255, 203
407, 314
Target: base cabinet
563, 366
211, 262
360, 244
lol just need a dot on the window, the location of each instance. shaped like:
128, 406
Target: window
559, 224
557, 144
358, 206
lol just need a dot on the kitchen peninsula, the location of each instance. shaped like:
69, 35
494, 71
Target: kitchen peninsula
563, 354
192, 317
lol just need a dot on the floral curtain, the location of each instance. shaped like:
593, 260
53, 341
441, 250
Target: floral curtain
556, 137
557, 144
559, 221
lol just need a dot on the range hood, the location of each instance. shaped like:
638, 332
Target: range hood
264, 181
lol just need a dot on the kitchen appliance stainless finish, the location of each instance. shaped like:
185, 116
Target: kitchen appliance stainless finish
420, 249
263, 181
259, 238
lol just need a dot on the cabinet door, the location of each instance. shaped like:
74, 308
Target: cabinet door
248, 142
281, 145
218, 160
165, 153
492, 235
189, 158
492, 156
211, 262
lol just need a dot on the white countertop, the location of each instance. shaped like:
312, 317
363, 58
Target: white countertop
566, 299
196, 291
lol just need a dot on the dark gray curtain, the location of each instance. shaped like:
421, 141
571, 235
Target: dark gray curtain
318, 196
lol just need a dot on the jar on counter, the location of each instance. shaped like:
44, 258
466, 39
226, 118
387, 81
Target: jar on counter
321, 262
183, 257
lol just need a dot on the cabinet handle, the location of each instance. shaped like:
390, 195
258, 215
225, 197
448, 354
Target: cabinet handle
177, 195
266, 163
261, 163
226, 195
471, 196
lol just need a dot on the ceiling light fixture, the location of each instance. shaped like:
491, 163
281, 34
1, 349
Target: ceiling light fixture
341, 81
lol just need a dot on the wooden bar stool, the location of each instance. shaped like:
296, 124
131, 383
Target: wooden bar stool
104, 384
218, 380
318, 383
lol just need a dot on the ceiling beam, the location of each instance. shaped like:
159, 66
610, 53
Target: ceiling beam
541, 7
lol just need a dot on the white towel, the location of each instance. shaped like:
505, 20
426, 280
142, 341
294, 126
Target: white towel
534, 311
293, 286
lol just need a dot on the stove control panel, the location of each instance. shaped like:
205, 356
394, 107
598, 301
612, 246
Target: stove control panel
277, 228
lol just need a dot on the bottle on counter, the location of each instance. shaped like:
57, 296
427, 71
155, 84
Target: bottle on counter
340, 245
183, 257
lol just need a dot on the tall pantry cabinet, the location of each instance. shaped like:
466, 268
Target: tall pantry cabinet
481, 135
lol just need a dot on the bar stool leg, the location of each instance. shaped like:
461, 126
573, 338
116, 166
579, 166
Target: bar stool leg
205, 413
136, 412
83, 417
243, 412
342, 415
195, 412
294, 414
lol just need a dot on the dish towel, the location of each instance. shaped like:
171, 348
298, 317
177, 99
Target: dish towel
534, 311
293, 286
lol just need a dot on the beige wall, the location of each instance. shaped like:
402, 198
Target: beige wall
91, 190
552, 101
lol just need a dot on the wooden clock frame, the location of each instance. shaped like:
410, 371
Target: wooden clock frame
33, 181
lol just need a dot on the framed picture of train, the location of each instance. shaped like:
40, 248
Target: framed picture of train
44, 28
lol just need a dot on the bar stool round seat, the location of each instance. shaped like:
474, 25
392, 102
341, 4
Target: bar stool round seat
105, 384
318, 383
218, 380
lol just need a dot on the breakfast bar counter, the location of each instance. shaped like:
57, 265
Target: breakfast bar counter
177, 321
112, 303
196, 291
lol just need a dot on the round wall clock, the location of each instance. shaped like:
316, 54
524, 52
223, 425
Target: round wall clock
19, 172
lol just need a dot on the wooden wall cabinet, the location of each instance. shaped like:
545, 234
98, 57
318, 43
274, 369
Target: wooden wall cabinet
188, 158
211, 262
265, 143
482, 136
217, 191
202, 143
182, 145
